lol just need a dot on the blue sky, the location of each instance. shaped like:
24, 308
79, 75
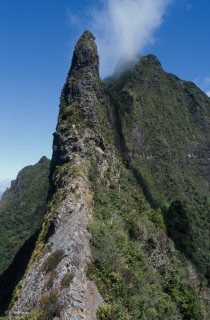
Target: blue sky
37, 39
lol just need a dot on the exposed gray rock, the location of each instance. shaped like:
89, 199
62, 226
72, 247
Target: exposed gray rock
71, 204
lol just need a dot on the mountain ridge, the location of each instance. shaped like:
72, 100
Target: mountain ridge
105, 234
166, 138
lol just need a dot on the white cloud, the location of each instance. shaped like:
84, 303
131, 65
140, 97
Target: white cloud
124, 27
208, 93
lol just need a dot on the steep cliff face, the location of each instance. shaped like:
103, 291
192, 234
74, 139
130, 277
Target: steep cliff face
164, 127
103, 251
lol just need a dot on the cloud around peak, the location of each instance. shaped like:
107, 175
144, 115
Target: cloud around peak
123, 28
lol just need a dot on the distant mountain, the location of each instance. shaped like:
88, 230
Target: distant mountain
4, 184
22, 209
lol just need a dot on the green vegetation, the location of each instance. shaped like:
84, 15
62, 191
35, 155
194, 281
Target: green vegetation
181, 292
163, 131
49, 306
67, 279
21, 215
124, 236
52, 261
22, 210
70, 115
188, 224
106, 312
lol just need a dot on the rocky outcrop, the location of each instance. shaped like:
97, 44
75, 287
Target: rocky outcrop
63, 248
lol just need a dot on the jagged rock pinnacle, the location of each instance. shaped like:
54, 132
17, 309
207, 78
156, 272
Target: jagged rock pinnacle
85, 53
152, 59
77, 134
79, 97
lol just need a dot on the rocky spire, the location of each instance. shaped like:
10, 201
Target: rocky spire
65, 230
85, 53
80, 98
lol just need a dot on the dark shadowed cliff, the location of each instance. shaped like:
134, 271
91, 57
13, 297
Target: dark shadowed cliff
22, 210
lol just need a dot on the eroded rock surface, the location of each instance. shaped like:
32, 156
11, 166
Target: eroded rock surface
65, 235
